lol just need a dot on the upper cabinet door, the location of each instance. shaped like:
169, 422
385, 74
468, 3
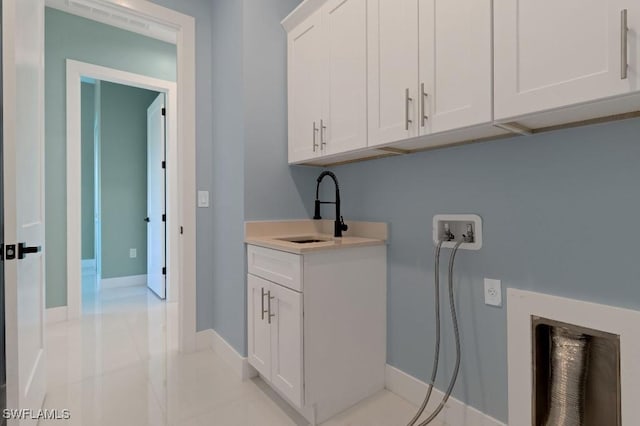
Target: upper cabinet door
344, 123
550, 53
455, 64
393, 70
306, 91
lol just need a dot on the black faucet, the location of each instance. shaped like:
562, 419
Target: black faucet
339, 225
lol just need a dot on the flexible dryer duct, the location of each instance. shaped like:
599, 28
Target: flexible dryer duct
569, 362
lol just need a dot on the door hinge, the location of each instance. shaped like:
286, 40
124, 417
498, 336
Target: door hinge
164, 217
164, 112
164, 164
10, 252
181, 230
164, 271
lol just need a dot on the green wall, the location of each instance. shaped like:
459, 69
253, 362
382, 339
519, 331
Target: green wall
123, 164
88, 178
68, 36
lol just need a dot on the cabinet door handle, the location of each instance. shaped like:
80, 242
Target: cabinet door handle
624, 31
315, 132
262, 303
269, 297
323, 130
407, 101
423, 102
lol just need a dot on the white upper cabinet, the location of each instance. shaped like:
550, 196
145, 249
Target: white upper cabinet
328, 81
550, 54
393, 70
306, 48
344, 117
455, 64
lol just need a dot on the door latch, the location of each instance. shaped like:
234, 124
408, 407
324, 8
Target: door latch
10, 252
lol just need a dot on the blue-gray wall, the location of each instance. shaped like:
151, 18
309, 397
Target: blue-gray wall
69, 36
251, 179
88, 179
551, 204
272, 190
123, 181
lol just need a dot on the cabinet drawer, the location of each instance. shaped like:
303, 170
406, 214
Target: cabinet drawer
277, 266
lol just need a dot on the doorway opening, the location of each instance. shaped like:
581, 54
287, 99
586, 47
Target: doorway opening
173, 27
120, 213
124, 200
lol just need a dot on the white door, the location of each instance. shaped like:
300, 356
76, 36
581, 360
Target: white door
286, 343
393, 70
456, 77
156, 220
259, 337
23, 138
550, 53
306, 92
344, 118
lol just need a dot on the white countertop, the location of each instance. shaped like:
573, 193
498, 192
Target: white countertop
271, 235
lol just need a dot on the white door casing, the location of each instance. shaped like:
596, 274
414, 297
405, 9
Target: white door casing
156, 202
181, 217
344, 116
24, 213
550, 54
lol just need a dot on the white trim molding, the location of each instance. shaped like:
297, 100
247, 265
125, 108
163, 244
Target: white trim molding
53, 315
522, 305
209, 339
455, 412
119, 282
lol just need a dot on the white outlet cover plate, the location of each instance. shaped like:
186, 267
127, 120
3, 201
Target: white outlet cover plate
133, 253
477, 229
492, 292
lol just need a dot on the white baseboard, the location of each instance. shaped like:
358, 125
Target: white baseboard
240, 365
88, 266
53, 315
455, 412
130, 281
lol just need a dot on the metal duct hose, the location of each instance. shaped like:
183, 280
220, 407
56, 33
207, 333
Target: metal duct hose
569, 360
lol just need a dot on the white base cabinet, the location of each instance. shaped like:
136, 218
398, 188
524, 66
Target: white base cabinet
320, 340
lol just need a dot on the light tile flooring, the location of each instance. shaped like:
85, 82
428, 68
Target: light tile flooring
119, 365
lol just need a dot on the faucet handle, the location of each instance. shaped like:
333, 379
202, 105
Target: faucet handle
343, 225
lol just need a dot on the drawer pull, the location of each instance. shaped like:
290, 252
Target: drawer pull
262, 303
269, 305
407, 101
624, 32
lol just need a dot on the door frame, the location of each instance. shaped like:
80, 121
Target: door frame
75, 72
183, 155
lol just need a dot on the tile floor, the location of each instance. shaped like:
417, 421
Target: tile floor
119, 365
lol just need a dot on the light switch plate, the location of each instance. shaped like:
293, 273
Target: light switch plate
133, 253
203, 199
492, 292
